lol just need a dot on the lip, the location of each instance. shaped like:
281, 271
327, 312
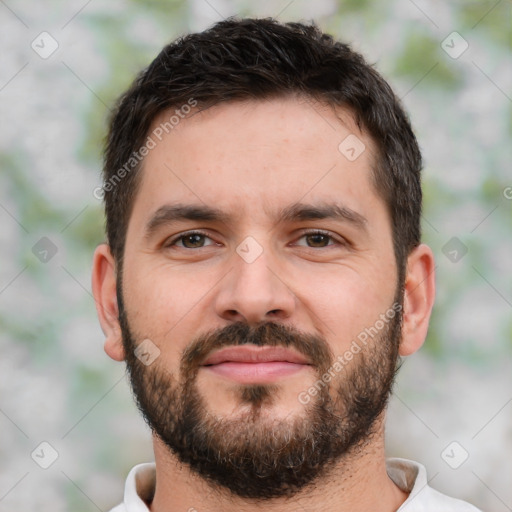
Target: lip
252, 373
254, 354
251, 364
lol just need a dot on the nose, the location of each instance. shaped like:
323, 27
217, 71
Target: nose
255, 291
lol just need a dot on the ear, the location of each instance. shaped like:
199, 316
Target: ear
418, 298
104, 291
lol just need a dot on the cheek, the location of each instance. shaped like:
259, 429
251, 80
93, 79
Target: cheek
167, 291
162, 304
344, 303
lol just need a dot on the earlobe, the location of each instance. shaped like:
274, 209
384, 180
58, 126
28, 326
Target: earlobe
105, 296
418, 299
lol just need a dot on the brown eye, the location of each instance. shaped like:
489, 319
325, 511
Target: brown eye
191, 240
318, 240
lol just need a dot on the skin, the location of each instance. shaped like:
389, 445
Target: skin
250, 160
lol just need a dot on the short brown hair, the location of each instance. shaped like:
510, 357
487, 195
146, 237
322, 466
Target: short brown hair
243, 59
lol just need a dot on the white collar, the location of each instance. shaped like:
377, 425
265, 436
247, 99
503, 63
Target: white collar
408, 475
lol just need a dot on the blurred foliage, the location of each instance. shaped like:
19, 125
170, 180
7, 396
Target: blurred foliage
492, 17
421, 54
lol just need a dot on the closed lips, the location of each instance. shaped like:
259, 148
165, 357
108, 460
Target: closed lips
246, 354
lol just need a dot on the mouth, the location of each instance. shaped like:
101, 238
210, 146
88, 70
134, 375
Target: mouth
252, 364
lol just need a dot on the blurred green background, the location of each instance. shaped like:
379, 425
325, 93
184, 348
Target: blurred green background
57, 385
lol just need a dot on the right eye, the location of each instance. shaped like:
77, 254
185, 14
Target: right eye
190, 240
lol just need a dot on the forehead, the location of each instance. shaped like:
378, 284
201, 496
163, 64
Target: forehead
254, 158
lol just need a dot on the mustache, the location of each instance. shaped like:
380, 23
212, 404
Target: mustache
314, 348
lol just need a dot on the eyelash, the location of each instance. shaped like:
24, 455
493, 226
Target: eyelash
172, 241
328, 234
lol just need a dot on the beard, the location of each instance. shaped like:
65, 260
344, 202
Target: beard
253, 455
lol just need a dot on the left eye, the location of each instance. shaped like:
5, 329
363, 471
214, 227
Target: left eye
317, 239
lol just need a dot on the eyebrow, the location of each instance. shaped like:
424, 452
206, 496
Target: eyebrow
302, 212
168, 214
179, 212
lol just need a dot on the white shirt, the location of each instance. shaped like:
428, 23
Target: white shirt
409, 476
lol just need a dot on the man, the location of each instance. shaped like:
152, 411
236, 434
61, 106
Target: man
264, 273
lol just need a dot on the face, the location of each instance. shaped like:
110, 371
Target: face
259, 280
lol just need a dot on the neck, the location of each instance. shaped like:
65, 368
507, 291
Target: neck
357, 483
